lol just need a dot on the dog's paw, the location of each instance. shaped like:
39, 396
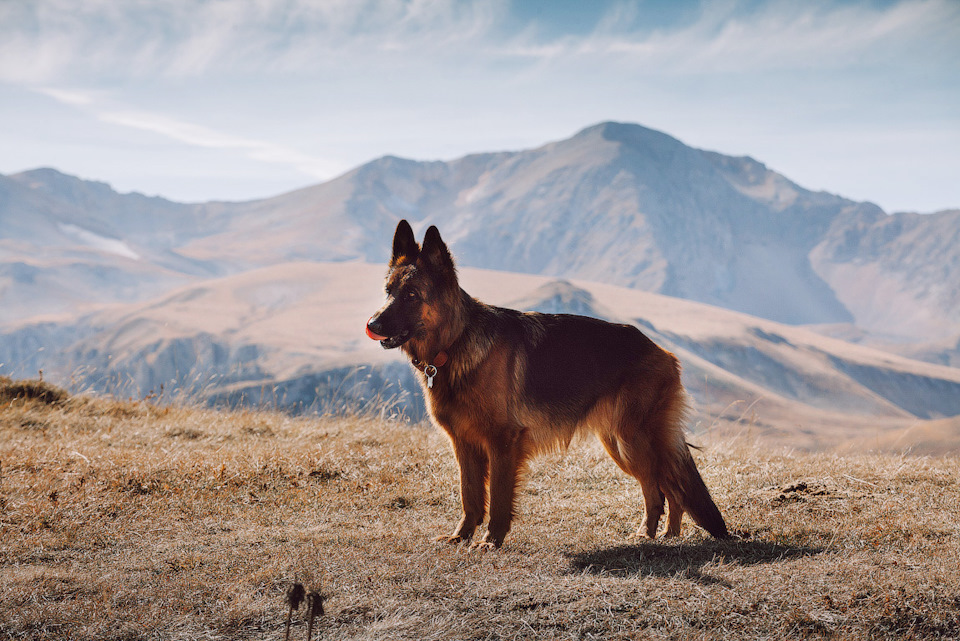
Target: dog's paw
488, 543
450, 539
484, 546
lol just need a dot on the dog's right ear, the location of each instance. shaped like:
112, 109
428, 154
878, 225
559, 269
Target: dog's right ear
405, 248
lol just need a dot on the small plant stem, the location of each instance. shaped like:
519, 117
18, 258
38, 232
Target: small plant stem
314, 609
294, 599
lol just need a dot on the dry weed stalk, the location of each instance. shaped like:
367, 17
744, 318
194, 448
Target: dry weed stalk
314, 609
295, 596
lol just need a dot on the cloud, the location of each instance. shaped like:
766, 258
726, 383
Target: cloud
725, 37
193, 134
41, 40
68, 97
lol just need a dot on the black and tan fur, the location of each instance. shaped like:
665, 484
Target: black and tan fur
509, 385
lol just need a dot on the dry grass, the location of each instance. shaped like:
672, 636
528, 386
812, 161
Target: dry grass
124, 520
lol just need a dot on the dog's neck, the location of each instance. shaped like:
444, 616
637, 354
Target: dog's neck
440, 347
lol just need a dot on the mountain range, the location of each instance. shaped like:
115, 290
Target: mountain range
83, 267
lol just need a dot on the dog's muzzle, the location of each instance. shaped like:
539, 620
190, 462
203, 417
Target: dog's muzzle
388, 342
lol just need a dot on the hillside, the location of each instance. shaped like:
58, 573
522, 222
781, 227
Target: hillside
68, 244
128, 520
290, 337
874, 266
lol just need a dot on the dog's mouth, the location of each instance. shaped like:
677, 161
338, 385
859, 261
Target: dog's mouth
389, 342
395, 341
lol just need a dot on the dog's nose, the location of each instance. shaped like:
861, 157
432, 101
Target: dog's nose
373, 325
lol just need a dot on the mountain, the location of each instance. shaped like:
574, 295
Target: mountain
634, 207
67, 244
898, 275
616, 203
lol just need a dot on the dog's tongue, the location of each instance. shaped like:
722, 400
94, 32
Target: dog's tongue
374, 336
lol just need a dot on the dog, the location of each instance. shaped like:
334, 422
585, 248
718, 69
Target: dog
506, 385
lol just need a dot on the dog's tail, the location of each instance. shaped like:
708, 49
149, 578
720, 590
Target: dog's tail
687, 486
679, 474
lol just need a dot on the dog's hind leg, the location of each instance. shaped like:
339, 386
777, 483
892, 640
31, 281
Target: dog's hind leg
634, 462
674, 517
661, 432
653, 501
473, 464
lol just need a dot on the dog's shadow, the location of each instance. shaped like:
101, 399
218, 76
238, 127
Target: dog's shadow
681, 560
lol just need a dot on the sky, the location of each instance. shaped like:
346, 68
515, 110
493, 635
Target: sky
198, 100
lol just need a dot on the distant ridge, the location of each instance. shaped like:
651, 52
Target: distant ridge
290, 336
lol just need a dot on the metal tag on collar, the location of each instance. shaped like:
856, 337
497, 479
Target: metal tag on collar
430, 371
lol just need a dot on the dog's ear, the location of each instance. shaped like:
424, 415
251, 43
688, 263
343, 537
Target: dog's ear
405, 246
434, 252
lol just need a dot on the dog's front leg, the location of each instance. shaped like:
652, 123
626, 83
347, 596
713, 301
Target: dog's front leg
505, 464
473, 490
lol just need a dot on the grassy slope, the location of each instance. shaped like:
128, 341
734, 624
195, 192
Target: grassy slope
125, 520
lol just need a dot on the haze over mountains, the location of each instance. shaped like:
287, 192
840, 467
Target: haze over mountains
616, 204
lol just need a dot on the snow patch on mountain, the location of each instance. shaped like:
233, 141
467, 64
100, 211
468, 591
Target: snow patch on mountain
101, 243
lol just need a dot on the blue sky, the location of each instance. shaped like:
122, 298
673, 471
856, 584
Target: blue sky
237, 99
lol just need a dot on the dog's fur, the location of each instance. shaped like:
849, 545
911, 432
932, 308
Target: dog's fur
508, 385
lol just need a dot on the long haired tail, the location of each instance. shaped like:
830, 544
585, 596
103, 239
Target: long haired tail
684, 479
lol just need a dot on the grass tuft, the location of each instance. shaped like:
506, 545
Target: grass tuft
37, 389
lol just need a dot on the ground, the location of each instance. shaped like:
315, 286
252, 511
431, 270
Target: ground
135, 520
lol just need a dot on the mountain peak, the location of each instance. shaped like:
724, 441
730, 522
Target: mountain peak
73, 188
53, 180
627, 133
562, 297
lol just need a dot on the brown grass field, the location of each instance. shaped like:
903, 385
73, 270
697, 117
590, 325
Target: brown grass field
128, 520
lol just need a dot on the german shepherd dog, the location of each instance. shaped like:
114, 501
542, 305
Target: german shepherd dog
506, 385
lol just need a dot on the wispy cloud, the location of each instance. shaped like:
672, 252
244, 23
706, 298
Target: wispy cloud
68, 96
724, 37
51, 40
48, 41
193, 134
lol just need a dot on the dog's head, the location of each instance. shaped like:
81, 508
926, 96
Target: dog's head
419, 280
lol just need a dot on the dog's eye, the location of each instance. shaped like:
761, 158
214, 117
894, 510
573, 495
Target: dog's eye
413, 296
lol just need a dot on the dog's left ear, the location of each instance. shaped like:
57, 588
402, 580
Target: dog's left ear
405, 246
434, 251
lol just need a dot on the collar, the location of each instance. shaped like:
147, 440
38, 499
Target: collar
430, 370
438, 361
